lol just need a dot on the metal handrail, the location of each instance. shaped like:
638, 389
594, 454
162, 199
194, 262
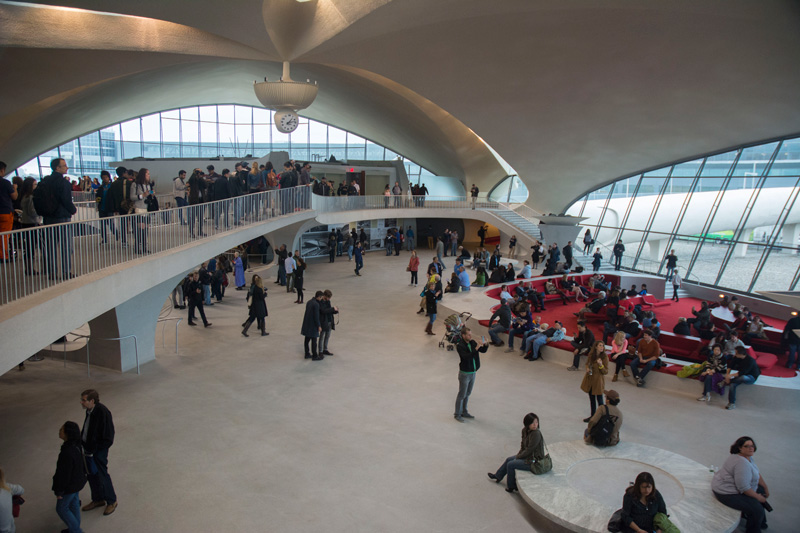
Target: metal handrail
164, 327
524, 211
154, 232
88, 337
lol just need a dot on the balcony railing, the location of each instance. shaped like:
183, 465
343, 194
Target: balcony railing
48, 255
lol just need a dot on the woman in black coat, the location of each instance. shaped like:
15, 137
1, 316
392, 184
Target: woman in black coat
298, 277
258, 306
70, 476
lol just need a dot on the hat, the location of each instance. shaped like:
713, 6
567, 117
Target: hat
611, 394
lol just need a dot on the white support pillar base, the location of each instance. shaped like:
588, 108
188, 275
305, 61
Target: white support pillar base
791, 232
658, 249
138, 316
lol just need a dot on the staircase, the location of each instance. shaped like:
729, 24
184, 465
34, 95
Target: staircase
523, 224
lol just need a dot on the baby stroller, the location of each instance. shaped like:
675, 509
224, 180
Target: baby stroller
453, 326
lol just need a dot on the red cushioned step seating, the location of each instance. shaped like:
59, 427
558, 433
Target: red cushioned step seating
655, 302
766, 360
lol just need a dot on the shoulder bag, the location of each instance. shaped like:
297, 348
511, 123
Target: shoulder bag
543, 465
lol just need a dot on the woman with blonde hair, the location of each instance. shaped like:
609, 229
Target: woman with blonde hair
593, 381
413, 267
619, 354
7, 493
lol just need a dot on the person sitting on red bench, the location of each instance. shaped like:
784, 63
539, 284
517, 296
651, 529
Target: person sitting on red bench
592, 307
649, 351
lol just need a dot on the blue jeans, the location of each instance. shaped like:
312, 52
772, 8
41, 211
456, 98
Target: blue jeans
513, 333
207, 294
453, 248
359, 264
466, 380
339, 248
281, 273
751, 508
409, 243
735, 382
349, 253
69, 510
181, 202
793, 351
538, 342
510, 467
432, 318
647, 368
494, 330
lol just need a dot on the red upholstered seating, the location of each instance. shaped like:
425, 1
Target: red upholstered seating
766, 360
655, 302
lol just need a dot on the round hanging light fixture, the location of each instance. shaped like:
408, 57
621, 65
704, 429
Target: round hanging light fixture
285, 97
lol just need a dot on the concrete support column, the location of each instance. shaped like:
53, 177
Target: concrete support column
740, 250
658, 249
791, 232
561, 230
138, 316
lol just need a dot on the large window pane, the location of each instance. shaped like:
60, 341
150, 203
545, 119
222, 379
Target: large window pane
719, 165
131, 130
151, 128
227, 136
262, 116
780, 268
29, 169
243, 133
208, 113
375, 152
208, 133
754, 160
355, 146
689, 168
170, 130
225, 114
242, 114
172, 113
787, 162
337, 141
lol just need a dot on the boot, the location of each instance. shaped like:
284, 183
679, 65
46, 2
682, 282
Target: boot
429, 329
615, 378
263, 331
625, 373
420, 311
246, 327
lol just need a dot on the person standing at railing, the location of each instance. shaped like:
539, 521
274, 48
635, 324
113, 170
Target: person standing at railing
8, 193
386, 195
29, 219
474, 194
57, 186
235, 191
285, 185
397, 192
103, 211
423, 190
221, 192
672, 262
197, 191
179, 193
140, 194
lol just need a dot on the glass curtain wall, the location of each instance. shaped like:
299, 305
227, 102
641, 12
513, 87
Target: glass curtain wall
733, 218
211, 131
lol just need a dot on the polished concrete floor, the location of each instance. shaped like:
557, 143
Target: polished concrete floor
244, 434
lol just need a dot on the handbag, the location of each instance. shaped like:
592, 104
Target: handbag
615, 523
16, 501
543, 465
662, 522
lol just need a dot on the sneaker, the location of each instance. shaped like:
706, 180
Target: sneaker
466, 415
509, 350
458, 417
704, 398
640, 382
730, 406
572, 368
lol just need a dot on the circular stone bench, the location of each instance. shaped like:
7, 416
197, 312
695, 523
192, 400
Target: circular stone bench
587, 483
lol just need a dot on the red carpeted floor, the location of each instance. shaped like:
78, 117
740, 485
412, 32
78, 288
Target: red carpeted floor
667, 315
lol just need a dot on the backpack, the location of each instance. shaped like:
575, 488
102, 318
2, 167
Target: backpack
601, 432
44, 201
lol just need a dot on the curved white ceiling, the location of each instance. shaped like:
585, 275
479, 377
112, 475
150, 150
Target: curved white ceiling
571, 93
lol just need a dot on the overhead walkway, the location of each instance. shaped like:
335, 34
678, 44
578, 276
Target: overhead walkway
119, 290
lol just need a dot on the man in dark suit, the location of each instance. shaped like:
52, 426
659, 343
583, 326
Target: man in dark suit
97, 437
58, 186
312, 327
